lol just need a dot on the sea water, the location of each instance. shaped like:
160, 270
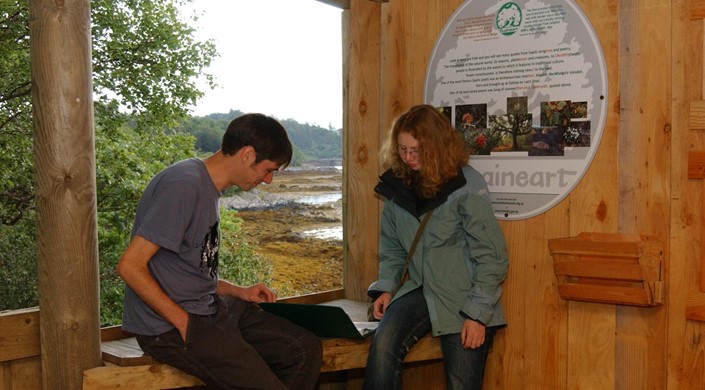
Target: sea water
334, 233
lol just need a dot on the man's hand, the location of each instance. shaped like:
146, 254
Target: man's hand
473, 334
380, 305
256, 293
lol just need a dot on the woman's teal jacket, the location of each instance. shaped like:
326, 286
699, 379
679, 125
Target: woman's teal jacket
461, 259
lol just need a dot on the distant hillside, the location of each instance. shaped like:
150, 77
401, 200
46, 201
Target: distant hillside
311, 143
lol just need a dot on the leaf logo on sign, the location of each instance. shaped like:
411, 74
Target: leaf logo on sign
508, 18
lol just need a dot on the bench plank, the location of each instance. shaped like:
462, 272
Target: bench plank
154, 376
338, 354
347, 354
125, 352
127, 366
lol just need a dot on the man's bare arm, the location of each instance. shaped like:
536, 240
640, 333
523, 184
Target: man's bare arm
132, 268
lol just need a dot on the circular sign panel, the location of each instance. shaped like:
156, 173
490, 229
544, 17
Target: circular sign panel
525, 82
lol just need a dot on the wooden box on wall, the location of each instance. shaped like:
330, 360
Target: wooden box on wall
609, 268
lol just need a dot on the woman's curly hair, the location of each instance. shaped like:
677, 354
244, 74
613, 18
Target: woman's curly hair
442, 150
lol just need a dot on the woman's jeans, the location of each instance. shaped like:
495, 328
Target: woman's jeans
241, 347
404, 323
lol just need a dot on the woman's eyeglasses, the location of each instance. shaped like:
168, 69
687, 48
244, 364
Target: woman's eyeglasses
412, 152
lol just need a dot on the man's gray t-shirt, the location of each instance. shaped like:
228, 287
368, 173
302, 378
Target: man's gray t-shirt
178, 211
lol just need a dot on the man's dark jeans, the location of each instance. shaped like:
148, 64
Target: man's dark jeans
241, 347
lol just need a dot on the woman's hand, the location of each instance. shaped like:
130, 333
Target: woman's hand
381, 304
473, 334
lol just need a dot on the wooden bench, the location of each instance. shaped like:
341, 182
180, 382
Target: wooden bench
126, 366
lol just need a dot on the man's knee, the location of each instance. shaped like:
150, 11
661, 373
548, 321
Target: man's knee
314, 348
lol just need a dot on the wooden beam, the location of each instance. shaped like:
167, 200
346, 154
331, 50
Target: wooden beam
342, 4
360, 147
20, 334
345, 4
64, 159
155, 376
696, 170
319, 297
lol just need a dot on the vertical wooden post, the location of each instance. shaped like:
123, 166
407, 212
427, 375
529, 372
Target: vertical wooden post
696, 170
645, 179
361, 147
64, 156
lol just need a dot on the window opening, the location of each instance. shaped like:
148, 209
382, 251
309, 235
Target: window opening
284, 59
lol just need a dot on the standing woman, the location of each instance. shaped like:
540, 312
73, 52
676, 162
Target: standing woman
457, 268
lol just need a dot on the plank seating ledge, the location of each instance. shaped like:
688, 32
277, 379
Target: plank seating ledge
127, 366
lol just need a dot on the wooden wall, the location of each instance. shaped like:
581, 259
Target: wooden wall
20, 352
685, 361
636, 184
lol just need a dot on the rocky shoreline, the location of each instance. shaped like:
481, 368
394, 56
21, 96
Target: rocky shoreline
256, 199
277, 219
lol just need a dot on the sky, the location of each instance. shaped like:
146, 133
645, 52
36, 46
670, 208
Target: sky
278, 57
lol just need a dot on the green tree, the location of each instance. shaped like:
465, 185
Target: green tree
16, 179
238, 261
310, 142
146, 63
127, 160
18, 271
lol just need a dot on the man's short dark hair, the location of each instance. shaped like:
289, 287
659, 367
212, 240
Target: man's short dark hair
265, 134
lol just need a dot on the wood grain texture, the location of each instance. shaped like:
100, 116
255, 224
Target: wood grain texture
19, 334
696, 170
695, 307
696, 164
22, 373
534, 310
685, 358
507, 354
157, 376
361, 145
64, 161
609, 268
697, 9
697, 115
645, 176
593, 206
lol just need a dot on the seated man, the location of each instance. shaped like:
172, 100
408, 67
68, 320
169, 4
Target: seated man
182, 313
